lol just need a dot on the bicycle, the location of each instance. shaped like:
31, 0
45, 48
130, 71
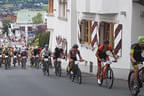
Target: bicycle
32, 60
19, 59
136, 90
37, 62
7, 62
46, 63
76, 73
107, 74
14, 60
23, 62
58, 67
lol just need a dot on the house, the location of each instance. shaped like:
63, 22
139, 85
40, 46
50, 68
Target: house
90, 22
25, 23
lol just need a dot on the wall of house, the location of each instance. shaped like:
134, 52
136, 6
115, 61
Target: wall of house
98, 6
124, 16
63, 27
69, 30
137, 22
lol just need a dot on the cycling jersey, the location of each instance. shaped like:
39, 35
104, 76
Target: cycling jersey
58, 52
15, 53
46, 53
102, 51
73, 54
138, 52
6, 52
24, 53
36, 52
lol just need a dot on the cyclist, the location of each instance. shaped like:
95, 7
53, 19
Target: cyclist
15, 52
45, 53
101, 55
36, 51
36, 55
24, 56
19, 55
7, 55
73, 56
137, 56
58, 53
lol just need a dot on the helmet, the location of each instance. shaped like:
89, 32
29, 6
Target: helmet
75, 46
46, 45
140, 38
106, 42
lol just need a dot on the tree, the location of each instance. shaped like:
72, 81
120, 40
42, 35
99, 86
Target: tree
37, 19
44, 38
6, 24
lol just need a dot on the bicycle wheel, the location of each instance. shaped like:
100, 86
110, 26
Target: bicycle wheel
6, 64
44, 69
141, 74
59, 70
47, 68
133, 91
79, 77
109, 78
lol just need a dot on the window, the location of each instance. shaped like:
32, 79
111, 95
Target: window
106, 32
63, 9
85, 32
50, 7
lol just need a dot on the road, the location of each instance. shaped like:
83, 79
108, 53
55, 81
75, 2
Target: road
31, 82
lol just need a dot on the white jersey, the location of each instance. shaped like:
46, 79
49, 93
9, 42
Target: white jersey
46, 52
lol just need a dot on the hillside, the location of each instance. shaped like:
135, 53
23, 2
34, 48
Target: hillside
10, 6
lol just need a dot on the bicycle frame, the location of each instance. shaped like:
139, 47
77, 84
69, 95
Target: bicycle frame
104, 68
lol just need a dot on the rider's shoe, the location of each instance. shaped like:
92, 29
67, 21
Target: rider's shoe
99, 81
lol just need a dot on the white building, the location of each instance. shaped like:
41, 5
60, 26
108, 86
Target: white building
89, 22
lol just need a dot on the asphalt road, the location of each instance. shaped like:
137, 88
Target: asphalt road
32, 82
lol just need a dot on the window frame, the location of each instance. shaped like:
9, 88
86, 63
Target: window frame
62, 14
83, 28
110, 32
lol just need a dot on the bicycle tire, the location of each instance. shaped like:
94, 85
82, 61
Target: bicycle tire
59, 71
79, 76
110, 75
47, 69
135, 92
141, 75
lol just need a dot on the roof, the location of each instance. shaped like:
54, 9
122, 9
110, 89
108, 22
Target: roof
25, 16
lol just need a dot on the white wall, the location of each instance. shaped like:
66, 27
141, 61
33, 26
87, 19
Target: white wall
68, 29
62, 27
110, 6
125, 5
137, 22
98, 6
